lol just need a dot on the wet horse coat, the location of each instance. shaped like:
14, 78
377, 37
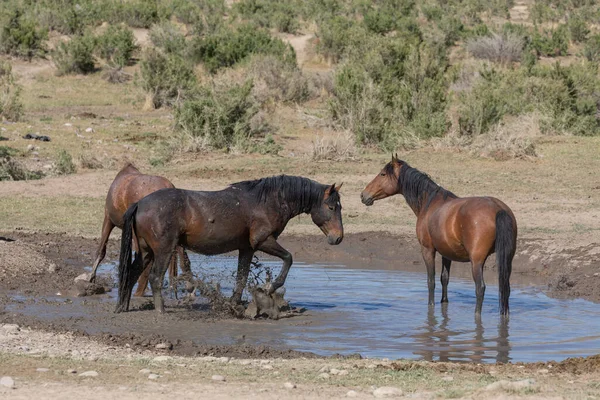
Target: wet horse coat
247, 216
129, 187
460, 229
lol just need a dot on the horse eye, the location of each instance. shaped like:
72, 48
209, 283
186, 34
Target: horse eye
331, 208
382, 174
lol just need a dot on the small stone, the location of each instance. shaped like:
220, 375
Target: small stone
448, 378
68, 124
7, 382
30, 147
52, 268
11, 327
334, 371
89, 130
267, 366
153, 376
162, 359
145, 371
164, 346
324, 369
83, 277
88, 374
351, 393
289, 385
324, 375
71, 371
387, 391
42, 370
343, 372
219, 378
224, 360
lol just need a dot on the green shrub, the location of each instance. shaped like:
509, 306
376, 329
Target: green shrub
551, 44
276, 81
578, 29
218, 117
75, 56
11, 107
167, 78
13, 170
337, 34
64, 163
116, 45
591, 50
230, 46
281, 15
135, 13
20, 36
168, 38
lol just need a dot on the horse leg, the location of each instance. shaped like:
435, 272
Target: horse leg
445, 277
244, 261
107, 227
429, 258
143, 279
271, 247
184, 264
477, 266
162, 259
173, 275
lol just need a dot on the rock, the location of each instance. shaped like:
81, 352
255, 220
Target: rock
324, 375
351, 393
83, 277
224, 360
219, 378
85, 288
324, 369
387, 391
68, 124
52, 268
508, 385
267, 366
153, 376
42, 370
11, 327
71, 371
162, 359
448, 378
145, 371
289, 385
90, 130
7, 381
88, 374
30, 147
335, 371
164, 346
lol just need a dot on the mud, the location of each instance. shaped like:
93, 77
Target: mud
566, 274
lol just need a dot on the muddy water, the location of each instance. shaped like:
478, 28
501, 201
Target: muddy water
375, 313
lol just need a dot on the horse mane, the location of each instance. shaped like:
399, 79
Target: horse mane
417, 185
299, 193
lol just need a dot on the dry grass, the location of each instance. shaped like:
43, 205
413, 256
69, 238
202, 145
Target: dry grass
503, 49
338, 146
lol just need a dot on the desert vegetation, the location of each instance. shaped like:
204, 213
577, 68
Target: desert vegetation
391, 73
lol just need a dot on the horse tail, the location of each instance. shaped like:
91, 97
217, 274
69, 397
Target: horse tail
125, 262
505, 251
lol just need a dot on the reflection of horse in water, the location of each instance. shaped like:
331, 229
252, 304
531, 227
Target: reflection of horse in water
440, 343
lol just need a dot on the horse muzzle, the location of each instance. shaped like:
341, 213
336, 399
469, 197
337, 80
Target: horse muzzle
366, 199
335, 239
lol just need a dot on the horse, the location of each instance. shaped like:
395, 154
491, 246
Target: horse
246, 216
461, 229
128, 187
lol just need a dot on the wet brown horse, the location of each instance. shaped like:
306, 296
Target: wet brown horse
129, 187
246, 216
460, 229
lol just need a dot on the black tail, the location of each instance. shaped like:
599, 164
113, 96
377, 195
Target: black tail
125, 263
505, 251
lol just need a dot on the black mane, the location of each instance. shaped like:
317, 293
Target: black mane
299, 193
418, 186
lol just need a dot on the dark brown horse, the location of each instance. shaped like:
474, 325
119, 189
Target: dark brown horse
129, 187
460, 229
247, 216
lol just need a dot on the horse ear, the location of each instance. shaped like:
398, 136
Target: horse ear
337, 188
332, 189
396, 156
393, 158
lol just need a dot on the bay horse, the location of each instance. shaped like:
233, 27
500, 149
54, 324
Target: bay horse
129, 187
461, 229
246, 216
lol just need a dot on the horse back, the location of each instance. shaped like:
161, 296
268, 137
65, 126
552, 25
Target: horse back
460, 227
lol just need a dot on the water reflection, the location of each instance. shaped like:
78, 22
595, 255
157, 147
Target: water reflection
437, 342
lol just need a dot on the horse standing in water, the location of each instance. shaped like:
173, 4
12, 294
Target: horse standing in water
129, 187
246, 216
460, 229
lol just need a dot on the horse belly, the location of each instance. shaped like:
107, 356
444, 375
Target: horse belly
211, 242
